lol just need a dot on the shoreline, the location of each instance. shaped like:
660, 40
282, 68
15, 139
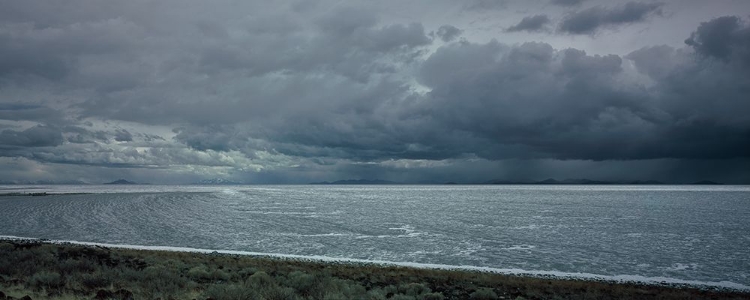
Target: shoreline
557, 275
665, 285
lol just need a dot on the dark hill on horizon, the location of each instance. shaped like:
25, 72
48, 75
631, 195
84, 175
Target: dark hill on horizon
121, 181
707, 182
583, 181
548, 181
358, 181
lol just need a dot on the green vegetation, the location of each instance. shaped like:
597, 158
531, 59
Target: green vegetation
52, 271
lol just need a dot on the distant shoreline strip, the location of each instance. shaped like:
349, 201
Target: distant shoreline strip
39, 194
660, 281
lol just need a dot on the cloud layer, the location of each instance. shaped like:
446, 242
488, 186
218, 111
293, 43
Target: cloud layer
179, 91
532, 23
590, 20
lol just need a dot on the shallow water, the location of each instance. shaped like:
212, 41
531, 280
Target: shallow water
688, 233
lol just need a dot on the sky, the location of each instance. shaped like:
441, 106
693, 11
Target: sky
419, 91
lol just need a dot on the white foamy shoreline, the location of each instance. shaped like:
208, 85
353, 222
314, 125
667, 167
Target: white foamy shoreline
660, 281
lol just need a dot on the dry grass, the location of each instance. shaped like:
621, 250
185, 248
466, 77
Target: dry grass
53, 271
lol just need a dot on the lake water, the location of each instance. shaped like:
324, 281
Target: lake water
683, 234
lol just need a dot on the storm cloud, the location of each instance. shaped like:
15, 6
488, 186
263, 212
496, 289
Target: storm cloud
532, 100
448, 33
590, 20
178, 91
726, 38
37, 136
567, 2
123, 135
532, 23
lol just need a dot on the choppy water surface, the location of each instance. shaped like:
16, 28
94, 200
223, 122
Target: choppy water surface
693, 233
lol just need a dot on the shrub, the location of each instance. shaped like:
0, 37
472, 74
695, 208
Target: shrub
47, 280
230, 292
279, 293
375, 294
390, 290
413, 289
219, 275
173, 265
261, 280
6, 248
302, 282
353, 289
199, 274
334, 295
93, 281
72, 266
247, 272
402, 297
431, 296
27, 262
129, 275
158, 281
483, 294
6, 267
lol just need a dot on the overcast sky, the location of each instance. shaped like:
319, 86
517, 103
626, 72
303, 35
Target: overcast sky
412, 91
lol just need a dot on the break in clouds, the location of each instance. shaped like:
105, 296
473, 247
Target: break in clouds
303, 91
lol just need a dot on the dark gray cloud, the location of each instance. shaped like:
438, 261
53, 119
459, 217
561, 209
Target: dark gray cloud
567, 2
37, 136
448, 33
531, 101
726, 38
534, 101
590, 20
30, 112
122, 135
80, 135
531, 23
267, 72
208, 138
484, 4
151, 137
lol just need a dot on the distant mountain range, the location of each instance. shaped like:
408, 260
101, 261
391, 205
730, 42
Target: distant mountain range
707, 182
595, 182
358, 181
549, 181
574, 181
121, 181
